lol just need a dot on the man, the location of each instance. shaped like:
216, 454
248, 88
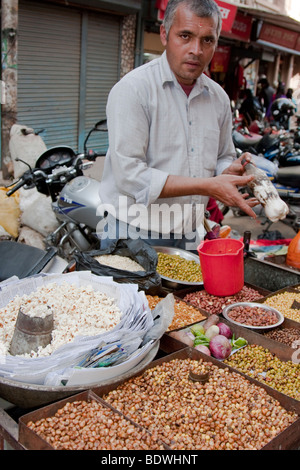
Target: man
266, 93
170, 145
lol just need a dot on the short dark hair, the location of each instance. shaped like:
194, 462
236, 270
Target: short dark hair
263, 81
201, 8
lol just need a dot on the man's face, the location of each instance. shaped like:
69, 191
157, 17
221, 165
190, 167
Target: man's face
190, 45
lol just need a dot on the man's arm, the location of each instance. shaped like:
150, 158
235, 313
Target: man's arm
224, 187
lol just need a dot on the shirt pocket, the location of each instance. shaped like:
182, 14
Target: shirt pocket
211, 150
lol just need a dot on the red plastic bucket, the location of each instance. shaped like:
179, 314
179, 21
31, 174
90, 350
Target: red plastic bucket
222, 264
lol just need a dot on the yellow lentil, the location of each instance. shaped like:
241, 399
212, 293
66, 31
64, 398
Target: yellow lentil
283, 302
262, 365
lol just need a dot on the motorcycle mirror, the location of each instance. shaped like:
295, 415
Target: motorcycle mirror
25, 163
101, 125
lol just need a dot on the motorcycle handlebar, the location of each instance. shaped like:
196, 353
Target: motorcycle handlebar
92, 155
27, 178
16, 187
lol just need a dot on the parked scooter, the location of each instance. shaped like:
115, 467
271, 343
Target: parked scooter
58, 173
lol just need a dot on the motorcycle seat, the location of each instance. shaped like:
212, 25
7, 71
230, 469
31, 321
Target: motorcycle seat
245, 141
18, 259
289, 176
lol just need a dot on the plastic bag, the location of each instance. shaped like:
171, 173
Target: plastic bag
37, 212
136, 321
10, 212
138, 250
26, 145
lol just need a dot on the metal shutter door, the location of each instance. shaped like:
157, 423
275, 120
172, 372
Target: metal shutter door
49, 71
102, 70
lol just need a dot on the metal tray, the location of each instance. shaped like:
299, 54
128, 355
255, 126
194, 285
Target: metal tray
281, 350
288, 439
173, 283
270, 275
293, 288
33, 441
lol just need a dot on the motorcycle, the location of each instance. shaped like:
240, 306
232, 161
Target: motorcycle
59, 174
276, 142
275, 147
287, 183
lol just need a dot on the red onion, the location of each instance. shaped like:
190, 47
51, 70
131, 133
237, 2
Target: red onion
203, 349
184, 336
225, 330
220, 347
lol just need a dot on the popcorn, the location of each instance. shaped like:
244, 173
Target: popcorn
77, 311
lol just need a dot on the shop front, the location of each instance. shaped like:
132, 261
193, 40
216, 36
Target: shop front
253, 43
66, 58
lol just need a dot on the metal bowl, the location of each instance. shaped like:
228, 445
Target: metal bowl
28, 395
280, 317
174, 283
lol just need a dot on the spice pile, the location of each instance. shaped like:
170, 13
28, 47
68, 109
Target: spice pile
178, 268
226, 412
288, 336
214, 305
261, 364
76, 311
88, 425
184, 314
288, 303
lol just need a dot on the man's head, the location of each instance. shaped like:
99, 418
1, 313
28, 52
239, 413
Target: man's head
190, 33
201, 8
263, 82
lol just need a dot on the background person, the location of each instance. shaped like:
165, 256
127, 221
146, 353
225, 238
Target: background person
265, 93
248, 108
170, 141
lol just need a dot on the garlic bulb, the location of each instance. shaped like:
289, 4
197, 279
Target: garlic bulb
265, 192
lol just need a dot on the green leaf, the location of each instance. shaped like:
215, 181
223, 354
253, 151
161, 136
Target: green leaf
238, 343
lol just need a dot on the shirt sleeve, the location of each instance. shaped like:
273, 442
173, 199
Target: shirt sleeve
227, 152
128, 127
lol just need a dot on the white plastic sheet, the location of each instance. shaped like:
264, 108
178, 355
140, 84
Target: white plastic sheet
136, 320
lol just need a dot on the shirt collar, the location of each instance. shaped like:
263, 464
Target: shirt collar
168, 76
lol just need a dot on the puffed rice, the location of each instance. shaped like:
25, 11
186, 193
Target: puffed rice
40, 311
76, 311
119, 262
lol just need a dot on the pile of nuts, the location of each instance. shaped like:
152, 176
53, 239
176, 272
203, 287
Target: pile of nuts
284, 302
226, 412
184, 314
88, 425
252, 316
178, 268
261, 364
214, 305
288, 336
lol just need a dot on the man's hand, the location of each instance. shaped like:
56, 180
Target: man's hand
224, 188
238, 166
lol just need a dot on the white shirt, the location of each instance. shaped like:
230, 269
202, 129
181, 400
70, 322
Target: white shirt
155, 130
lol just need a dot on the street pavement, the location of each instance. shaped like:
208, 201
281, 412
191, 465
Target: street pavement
256, 227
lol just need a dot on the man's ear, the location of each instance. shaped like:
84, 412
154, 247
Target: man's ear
163, 35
